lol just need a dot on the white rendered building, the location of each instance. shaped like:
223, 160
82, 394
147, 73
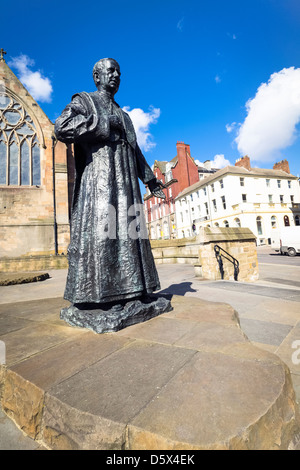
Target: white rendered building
240, 196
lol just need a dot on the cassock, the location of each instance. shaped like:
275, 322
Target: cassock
109, 255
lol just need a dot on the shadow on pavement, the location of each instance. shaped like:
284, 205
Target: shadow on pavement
178, 289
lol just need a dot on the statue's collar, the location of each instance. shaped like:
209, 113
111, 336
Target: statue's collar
105, 97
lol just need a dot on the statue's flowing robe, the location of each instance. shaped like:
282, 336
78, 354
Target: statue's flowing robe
109, 255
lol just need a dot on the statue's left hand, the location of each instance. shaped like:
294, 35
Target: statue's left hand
155, 188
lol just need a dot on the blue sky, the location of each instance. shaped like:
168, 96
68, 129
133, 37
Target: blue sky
220, 75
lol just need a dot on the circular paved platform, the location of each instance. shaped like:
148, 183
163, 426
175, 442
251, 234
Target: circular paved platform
188, 379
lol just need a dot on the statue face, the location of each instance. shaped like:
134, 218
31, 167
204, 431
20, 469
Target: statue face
109, 76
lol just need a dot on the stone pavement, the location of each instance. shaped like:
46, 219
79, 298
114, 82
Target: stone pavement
269, 309
268, 314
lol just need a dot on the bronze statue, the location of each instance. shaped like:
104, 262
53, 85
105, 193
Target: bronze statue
111, 267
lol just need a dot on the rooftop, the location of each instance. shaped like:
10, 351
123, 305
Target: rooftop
258, 172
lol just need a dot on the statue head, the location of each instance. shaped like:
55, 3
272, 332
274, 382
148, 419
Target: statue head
106, 74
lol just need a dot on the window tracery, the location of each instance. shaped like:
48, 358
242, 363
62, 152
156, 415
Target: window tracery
19, 145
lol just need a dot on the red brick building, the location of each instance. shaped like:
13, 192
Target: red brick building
177, 174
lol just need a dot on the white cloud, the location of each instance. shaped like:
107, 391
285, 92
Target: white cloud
141, 121
232, 36
219, 162
218, 79
231, 127
180, 24
38, 86
272, 117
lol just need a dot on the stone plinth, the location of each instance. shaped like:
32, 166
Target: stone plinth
199, 251
240, 243
187, 379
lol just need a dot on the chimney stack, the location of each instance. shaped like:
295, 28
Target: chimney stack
182, 148
244, 162
188, 169
283, 165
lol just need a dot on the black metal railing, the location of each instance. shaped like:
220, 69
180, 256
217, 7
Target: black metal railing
219, 255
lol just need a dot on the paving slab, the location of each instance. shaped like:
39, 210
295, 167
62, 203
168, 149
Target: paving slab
188, 379
57, 364
269, 332
270, 310
216, 386
25, 342
286, 282
266, 291
130, 378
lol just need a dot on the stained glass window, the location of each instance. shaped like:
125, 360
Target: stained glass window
13, 163
3, 158
19, 146
36, 173
25, 167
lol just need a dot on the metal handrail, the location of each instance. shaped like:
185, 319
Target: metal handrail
233, 260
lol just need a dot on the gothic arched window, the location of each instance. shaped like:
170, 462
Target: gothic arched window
19, 146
